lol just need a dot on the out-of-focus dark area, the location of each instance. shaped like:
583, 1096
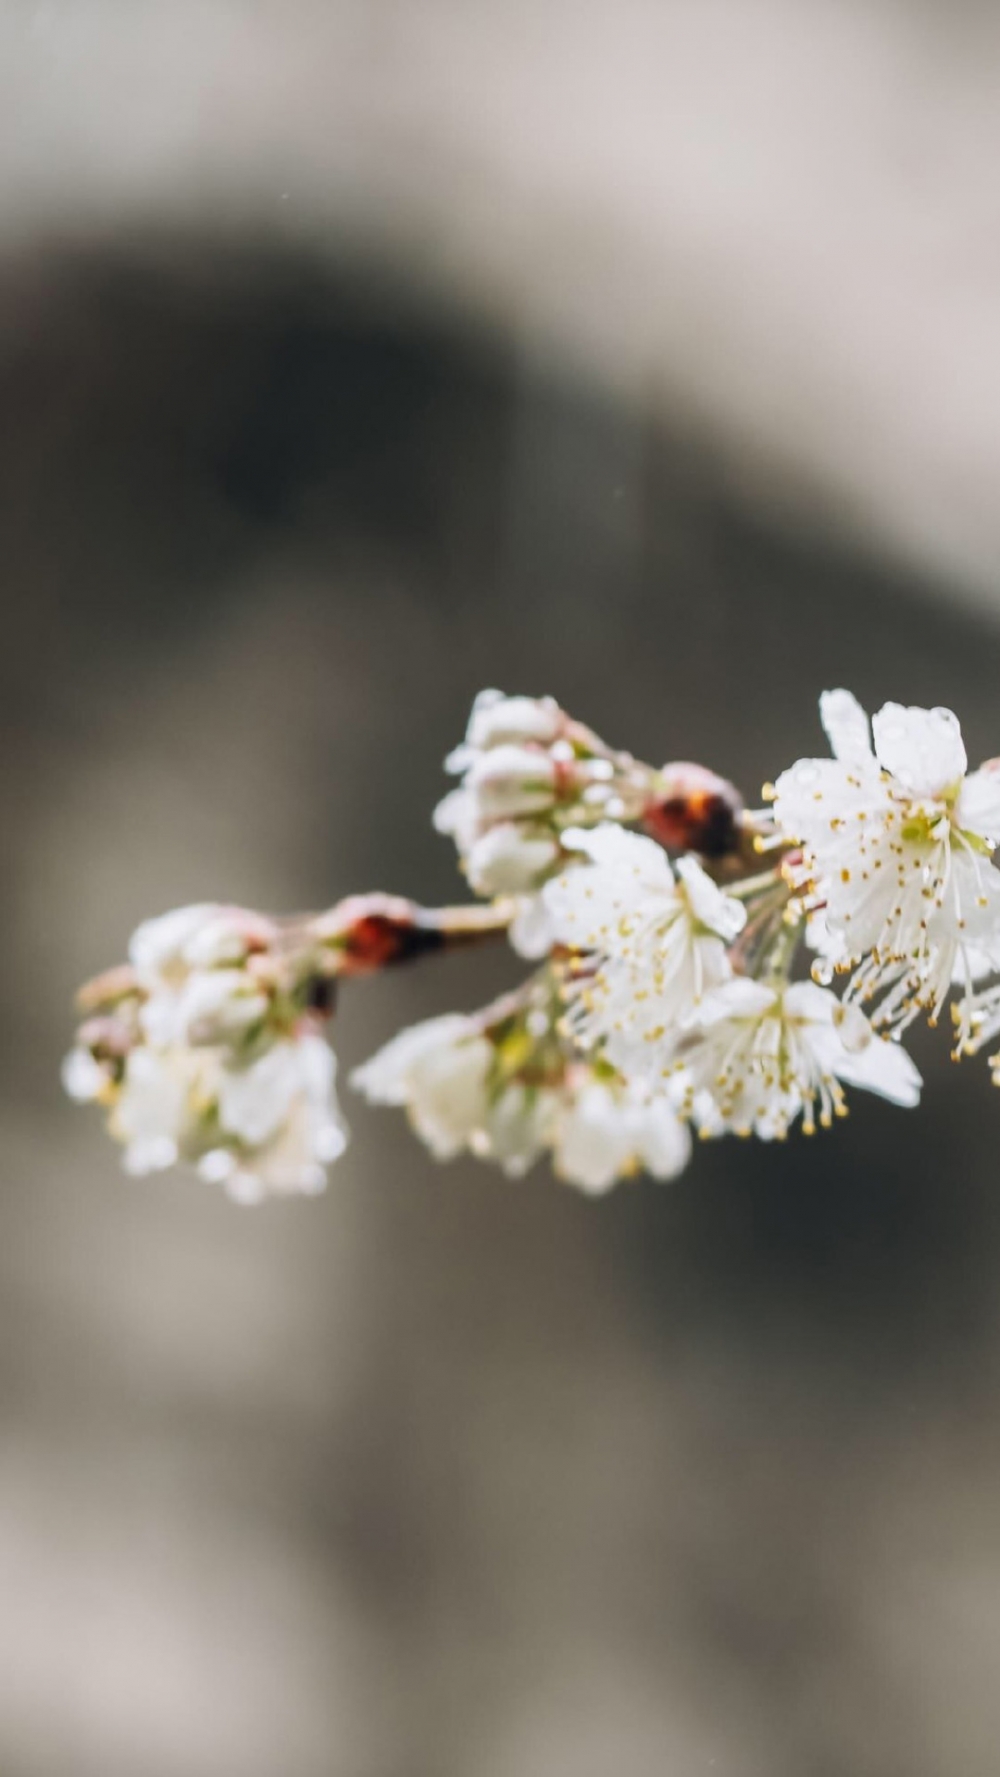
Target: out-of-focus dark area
353, 358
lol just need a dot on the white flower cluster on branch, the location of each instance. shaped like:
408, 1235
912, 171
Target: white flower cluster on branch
671, 929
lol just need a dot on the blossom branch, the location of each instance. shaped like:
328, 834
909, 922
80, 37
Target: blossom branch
666, 923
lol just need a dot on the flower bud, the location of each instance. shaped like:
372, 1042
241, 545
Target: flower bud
695, 810
511, 780
438, 1070
213, 1006
84, 1078
496, 719
264, 1126
206, 1052
505, 1086
164, 950
510, 858
530, 771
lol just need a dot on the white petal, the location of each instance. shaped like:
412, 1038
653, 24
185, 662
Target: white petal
509, 769
223, 939
846, 726
217, 1166
711, 907
921, 748
517, 1128
158, 943
807, 1000
971, 902
738, 998
814, 792
594, 1141
317, 1068
828, 945
665, 1144
853, 1028
255, 1100
884, 1068
149, 1153
447, 1100
385, 1079
615, 847
496, 719
153, 1106
213, 1005
330, 1139
161, 1018
438, 1070
973, 965
83, 1078
455, 816
292, 1163
509, 858
532, 931
244, 1187
978, 809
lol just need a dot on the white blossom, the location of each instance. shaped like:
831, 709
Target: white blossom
896, 840
281, 1123
493, 818
528, 771
84, 1078
449, 1076
517, 1126
163, 951
266, 1126
508, 856
604, 1131
657, 935
761, 1055
163, 1096
441, 1072
211, 1006
438, 1071
195, 969
665, 1001
532, 930
497, 720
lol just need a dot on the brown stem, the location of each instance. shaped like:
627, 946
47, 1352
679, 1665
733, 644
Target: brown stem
360, 936
370, 932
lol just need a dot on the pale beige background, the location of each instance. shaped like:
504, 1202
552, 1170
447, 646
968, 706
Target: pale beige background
445, 1476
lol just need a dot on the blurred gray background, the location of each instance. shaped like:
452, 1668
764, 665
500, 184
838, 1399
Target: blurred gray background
352, 358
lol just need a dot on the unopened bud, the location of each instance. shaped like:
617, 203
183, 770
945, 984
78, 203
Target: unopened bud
496, 719
510, 858
513, 780
695, 811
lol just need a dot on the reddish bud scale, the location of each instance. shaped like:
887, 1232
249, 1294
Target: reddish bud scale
566, 780
378, 939
700, 812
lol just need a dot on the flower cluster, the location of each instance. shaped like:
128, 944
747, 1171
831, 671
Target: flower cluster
660, 988
896, 840
505, 1086
528, 773
206, 1049
671, 930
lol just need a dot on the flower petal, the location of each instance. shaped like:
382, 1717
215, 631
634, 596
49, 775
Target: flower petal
711, 907
846, 726
531, 931
923, 749
615, 847
885, 1068
978, 809
739, 998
